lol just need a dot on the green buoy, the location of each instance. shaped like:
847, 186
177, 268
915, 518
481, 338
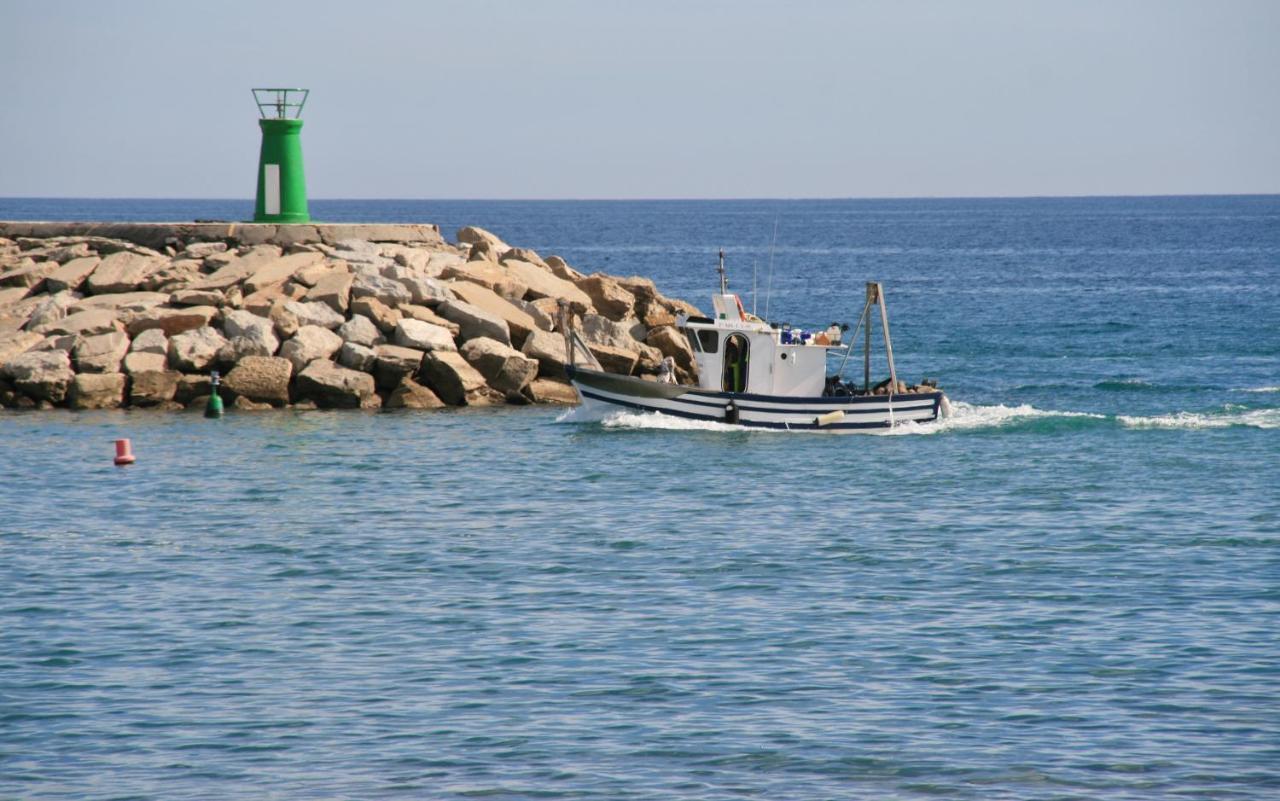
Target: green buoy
282, 187
214, 407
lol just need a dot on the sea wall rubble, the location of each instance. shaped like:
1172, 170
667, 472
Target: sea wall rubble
110, 315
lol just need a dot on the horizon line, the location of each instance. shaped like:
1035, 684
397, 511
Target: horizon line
662, 199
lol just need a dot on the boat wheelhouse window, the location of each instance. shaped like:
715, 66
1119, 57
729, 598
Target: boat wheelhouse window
693, 341
710, 340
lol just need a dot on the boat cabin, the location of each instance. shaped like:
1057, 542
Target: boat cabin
740, 353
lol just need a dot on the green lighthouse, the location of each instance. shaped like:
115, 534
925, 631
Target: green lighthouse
282, 187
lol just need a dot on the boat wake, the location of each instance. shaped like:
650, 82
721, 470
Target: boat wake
1231, 416
964, 417
971, 416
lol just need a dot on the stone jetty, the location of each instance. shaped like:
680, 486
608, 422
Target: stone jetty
138, 315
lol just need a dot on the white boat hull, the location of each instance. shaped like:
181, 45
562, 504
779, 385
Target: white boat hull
604, 392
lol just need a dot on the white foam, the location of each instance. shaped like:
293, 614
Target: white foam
969, 416
1261, 389
657, 420
1253, 418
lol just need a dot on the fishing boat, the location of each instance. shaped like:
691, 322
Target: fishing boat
757, 374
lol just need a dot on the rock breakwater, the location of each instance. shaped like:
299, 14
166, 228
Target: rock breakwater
97, 315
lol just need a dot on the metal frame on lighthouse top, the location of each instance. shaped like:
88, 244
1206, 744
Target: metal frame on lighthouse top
277, 100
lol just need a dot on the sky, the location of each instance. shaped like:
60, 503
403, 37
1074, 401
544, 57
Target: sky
654, 99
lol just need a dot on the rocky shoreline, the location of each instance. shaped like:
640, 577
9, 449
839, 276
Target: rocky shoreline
138, 315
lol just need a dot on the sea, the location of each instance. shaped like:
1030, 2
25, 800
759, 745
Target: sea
1070, 589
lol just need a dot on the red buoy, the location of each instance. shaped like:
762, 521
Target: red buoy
124, 452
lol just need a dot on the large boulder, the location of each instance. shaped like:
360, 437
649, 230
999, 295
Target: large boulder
518, 321
260, 330
561, 269
264, 379
333, 290
264, 301
653, 314
671, 342
310, 343
15, 299
383, 316
643, 288
543, 314
550, 390
85, 323
101, 353
429, 291
483, 251
390, 292
61, 253
471, 234
441, 261
192, 389
313, 274
542, 283
238, 348
277, 271
597, 329
200, 250
361, 331
504, 368
145, 362
153, 340
232, 268
123, 301
412, 395
122, 271
428, 315
393, 362
65, 342
412, 333
314, 313
197, 297
608, 296
172, 321
51, 309
357, 357
152, 387
17, 343
97, 391
474, 322
29, 276
523, 254
328, 385
173, 275
71, 275
450, 376
42, 375
415, 259
549, 351
194, 351
615, 360
489, 275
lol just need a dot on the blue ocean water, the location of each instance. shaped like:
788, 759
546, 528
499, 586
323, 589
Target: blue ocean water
1069, 590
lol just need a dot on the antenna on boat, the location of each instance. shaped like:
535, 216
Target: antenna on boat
724, 277
768, 294
753, 287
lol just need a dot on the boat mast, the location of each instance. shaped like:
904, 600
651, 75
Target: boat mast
888, 344
724, 277
866, 350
